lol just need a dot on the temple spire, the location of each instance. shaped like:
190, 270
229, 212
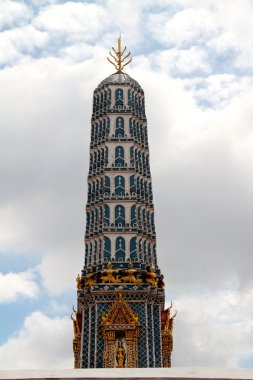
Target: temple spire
119, 57
120, 319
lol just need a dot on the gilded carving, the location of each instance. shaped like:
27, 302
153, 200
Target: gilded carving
77, 339
120, 355
152, 277
115, 276
79, 282
90, 279
120, 325
130, 277
110, 275
167, 338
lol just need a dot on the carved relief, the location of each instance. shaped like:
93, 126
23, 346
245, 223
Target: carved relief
167, 336
120, 329
77, 327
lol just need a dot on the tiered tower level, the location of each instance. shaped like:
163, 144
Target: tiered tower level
120, 319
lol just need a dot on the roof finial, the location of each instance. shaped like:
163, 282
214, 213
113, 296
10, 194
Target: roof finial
119, 57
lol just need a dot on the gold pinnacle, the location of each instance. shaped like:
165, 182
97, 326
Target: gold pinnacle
119, 57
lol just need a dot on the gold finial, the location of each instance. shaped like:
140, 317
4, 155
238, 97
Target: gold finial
119, 57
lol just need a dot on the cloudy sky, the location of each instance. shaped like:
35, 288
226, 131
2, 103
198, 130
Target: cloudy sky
194, 60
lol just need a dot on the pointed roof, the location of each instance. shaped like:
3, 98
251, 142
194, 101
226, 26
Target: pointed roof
120, 78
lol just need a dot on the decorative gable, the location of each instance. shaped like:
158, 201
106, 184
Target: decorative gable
120, 313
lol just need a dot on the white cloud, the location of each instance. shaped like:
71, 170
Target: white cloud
188, 26
42, 342
17, 285
214, 329
15, 43
41, 169
238, 30
217, 91
56, 307
13, 13
73, 21
182, 61
128, 20
204, 199
219, 29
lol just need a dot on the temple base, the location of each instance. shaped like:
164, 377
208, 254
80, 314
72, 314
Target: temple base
132, 373
127, 316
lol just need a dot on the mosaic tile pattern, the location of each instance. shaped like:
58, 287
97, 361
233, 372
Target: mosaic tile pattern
157, 337
85, 340
139, 309
92, 344
150, 335
102, 308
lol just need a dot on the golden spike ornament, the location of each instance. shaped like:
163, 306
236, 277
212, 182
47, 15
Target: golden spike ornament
119, 57
167, 338
77, 339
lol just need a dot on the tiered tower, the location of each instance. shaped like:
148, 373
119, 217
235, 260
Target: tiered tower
120, 319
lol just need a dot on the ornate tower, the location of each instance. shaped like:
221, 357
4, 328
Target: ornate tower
120, 319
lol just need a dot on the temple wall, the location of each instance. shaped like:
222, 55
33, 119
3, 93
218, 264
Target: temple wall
132, 373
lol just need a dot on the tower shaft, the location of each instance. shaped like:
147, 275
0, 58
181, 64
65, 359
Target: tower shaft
120, 290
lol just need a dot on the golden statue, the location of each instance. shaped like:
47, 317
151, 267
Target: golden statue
166, 327
167, 338
79, 282
89, 278
152, 277
171, 323
104, 318
119, 57
75, 324
110, 275
160, 282
130, 277
120, 355
76, 340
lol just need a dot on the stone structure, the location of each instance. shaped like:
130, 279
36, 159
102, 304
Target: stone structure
132, 374
120, 319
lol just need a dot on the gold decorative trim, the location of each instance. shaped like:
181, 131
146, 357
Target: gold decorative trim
115, 276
